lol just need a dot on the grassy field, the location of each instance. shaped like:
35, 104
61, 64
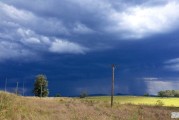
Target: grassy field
171, 102
14, 107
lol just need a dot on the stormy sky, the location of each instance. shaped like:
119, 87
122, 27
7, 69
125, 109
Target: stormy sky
74, 43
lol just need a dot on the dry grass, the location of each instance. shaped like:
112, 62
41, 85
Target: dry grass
14, 107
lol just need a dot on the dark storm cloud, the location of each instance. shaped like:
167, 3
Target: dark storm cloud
74, 41
42, 21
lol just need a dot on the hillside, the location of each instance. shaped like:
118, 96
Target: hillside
14, 107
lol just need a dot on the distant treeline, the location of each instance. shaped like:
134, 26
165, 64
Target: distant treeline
169, 93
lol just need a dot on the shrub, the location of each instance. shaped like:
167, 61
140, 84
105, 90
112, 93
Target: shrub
83, 94
58, 95
146, 94
159, 103
176, 94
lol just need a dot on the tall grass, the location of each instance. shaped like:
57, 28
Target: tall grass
14, 107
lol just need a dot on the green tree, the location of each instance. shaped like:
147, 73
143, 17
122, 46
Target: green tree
40, 86
169, 93
161, 94
176, 93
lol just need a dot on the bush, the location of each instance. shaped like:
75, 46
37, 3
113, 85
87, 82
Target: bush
159, 103
176, 94
146, 94
83, 94
58, 95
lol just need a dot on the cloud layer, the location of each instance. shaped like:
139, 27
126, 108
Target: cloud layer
141, 20
69, 26
22, 35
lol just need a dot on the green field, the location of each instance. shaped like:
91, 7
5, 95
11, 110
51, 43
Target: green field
173, 102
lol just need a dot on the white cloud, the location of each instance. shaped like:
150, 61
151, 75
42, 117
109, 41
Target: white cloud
150, 78
12, 51
172, 61
23, 35
17, 48
81, 28
153, 87
119, 18
133, 20
63, 46
173, 67
172, 64
29, 37
141, 21
15, 14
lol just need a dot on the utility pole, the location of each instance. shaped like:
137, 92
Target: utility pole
112, 87
17, 89
5, 85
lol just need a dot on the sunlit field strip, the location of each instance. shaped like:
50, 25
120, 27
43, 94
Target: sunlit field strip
173, 102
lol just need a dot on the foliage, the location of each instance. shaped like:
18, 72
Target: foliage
40, 86
58, 95
146, 94
159, 103
161, 94
176, 94
83, 94
168, 93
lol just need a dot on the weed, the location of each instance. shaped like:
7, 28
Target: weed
159, 103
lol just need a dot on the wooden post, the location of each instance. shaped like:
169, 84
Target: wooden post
23, 89
17, 89
112, 87
5, 85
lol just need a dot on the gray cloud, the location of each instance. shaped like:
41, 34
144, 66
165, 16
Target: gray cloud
23, 34
63, 46
120, 18
9, 50
172, 64
68, 26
